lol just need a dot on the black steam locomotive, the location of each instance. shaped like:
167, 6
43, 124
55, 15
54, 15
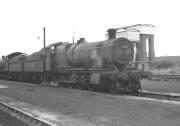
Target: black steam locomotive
103, 64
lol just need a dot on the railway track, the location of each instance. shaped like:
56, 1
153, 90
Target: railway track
147, 94
166, 76
14, 117
157, 95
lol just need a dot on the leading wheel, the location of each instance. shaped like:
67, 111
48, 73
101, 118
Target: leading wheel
91, 87
114, 87
80, 86
138, 87
70, 85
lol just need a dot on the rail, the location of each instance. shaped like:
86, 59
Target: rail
166, 76
157, 95
14, 117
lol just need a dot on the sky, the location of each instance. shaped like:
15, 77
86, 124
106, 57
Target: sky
22, 22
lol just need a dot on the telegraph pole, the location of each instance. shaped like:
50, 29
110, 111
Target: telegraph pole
44, 55
73, 37
44, 42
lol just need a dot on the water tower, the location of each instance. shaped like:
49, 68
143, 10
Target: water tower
142, 35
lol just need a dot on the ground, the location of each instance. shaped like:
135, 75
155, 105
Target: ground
95, 108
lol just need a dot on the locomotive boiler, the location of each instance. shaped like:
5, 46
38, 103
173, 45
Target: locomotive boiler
103, 64
100, 54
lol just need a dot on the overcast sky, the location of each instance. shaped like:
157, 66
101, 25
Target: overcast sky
21, 22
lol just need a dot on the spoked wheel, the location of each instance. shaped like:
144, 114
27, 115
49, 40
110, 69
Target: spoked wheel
56, 84
80, 86
70, 85
137, 88
90, 87
114, 87
81, 83
62, 84
20, 77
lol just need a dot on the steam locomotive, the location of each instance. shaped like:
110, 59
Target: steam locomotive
103, 64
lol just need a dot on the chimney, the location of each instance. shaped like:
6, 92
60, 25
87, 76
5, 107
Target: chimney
3, 57
111, 33
81, 40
